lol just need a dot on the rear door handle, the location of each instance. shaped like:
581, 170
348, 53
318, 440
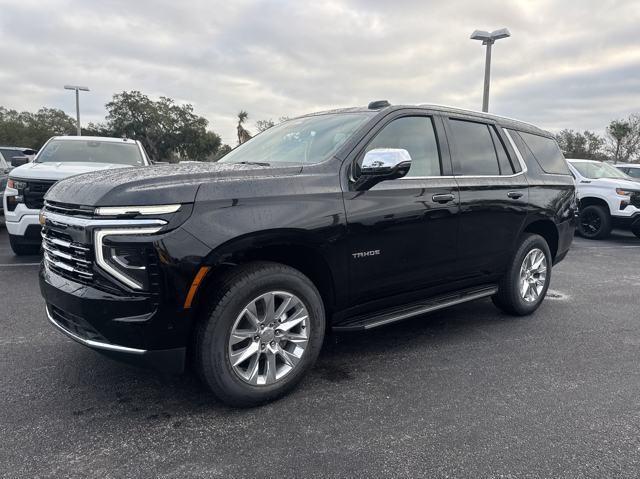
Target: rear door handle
515, 195
443, 198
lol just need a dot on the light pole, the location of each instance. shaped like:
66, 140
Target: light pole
488, 39
77, 89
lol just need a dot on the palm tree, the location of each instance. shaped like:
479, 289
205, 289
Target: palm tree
243, 134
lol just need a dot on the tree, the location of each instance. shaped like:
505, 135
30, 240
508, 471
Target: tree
624, 139
223, 150
263, 125
243, 134
587, 145
32, 130
168, 131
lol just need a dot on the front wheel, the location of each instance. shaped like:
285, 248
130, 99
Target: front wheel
524, 286
594, 222
263, 333
635, 229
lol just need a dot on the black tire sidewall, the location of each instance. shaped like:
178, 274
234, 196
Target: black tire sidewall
511, 298
21, 248
216, 368
605, 222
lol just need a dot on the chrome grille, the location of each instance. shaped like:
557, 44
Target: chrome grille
69, 210
66, 257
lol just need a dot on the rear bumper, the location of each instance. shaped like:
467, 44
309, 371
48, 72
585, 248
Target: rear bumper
566, 232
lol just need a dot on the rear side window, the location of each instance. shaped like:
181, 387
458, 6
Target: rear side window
415, 134
474, 148
546, 152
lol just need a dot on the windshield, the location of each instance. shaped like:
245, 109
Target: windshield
304, 140
91, 151
596, 170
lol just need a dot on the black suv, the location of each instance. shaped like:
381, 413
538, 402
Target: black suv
343, 220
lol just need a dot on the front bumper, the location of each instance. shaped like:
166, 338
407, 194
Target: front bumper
26, 223
133, 329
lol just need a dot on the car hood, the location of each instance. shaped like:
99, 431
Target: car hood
59, 170
160, 184
616, 183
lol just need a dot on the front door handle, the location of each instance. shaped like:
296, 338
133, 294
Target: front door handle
515, 195
443, 198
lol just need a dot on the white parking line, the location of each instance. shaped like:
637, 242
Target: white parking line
9, 265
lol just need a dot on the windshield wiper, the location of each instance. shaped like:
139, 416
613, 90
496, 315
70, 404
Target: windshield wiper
259, 163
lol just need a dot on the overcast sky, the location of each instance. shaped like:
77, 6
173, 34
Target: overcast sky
569, 64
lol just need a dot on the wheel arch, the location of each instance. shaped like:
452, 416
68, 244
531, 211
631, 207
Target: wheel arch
290, 248
548, 230
594, 201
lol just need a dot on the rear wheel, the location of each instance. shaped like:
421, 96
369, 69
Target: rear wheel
263, 333
22, 248
524, 286
595, 222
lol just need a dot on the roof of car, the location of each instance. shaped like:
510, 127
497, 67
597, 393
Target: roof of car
628, 165
94, 138
502, 120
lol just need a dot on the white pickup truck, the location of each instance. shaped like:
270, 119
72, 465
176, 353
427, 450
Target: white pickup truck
608, 198
59, 158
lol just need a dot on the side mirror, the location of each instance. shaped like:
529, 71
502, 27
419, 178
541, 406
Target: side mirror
383, 164
19, 160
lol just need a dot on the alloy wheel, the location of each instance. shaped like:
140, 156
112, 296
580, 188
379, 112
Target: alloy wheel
591, 223
269, 338
533, 275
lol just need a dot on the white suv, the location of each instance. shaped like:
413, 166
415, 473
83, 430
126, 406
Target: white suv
59, 158
608, 198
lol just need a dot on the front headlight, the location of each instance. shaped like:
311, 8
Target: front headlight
16, 184
125, 262
623, 192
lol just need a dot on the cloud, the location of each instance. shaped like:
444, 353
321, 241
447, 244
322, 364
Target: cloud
570, 64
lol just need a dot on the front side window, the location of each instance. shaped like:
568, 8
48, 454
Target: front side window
634, 172
417, 135
305, 140
90, 151
474, 148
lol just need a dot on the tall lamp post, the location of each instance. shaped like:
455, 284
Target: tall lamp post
78, 89
488, 39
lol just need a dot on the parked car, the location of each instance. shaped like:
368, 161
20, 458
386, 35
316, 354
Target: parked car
608, 198
7, 153
345, 220
60, 157
631, 169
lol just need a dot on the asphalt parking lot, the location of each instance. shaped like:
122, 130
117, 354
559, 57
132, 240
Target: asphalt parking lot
466, 392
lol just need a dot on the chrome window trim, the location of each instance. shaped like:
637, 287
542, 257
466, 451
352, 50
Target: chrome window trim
101, 234
91, 343
523, 165
140, 210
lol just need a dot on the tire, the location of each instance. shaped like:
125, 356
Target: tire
253, 284
21, 248
595, 222
510, 297
635, 229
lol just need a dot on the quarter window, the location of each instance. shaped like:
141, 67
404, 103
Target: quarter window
415, 134
546, 152
474, 148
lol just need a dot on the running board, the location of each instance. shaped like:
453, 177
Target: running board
361, 323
